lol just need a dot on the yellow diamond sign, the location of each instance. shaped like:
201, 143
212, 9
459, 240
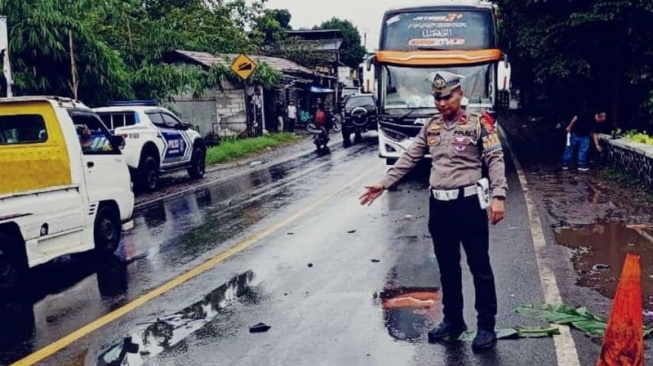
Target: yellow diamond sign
243, 66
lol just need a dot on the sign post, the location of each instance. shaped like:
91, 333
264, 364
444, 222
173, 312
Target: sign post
244, 67
4, 54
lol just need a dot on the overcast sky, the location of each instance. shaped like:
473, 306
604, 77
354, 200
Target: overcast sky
365, 14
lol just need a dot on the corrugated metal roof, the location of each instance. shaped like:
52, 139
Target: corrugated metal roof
279, 64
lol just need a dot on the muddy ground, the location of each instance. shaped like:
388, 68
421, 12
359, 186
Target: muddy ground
595, 217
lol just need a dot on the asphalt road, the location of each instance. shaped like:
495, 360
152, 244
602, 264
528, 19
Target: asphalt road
287, 246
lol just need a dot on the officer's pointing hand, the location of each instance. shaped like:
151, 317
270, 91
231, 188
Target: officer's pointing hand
497, 211
372, 192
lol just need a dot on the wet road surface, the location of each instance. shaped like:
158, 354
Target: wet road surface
329, 284
590, 223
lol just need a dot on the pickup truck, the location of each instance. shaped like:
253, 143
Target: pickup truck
64, 184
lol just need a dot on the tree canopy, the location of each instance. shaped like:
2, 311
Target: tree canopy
596, 53
352, 50
119, 45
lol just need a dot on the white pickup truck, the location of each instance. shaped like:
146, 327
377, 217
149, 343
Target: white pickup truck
156, 142
64, 184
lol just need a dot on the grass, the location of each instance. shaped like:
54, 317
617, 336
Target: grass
231, 149
643, 194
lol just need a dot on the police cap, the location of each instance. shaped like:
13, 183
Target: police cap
444, 83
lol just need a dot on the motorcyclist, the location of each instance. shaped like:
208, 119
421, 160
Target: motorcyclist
322, 116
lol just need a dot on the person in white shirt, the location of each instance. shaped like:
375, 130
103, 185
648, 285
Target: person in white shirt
292, 117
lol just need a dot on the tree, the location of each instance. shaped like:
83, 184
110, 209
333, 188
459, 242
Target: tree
352, 50
587, 52
119, 45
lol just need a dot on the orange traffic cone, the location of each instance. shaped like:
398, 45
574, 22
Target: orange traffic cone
623, 343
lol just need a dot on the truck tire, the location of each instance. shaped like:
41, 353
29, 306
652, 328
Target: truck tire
148, 174
106, 230
198, 163
11, 265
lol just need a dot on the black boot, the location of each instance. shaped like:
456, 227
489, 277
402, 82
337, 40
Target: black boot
485, 339
447, 329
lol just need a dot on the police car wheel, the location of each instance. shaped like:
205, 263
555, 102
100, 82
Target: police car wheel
198, 164
11, 267
107, 230
149, 174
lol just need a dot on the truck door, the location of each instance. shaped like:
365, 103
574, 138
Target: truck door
106, 169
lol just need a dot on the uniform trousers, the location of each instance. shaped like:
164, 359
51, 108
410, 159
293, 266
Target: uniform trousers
463, 221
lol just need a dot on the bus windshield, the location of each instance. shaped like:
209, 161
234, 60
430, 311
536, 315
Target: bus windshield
410, 87
438, 29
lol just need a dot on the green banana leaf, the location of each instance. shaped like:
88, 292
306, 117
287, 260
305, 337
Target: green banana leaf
580, 318
512, 333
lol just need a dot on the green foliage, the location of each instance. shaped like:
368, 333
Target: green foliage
352, 50
583, 51
119, 45
237, 148
639, 137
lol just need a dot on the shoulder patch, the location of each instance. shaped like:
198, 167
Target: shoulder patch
488, 122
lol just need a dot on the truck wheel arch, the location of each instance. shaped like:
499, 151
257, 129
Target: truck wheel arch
14, 244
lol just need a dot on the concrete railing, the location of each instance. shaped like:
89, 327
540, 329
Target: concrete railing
633, 157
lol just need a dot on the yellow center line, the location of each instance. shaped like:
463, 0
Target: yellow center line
55, 347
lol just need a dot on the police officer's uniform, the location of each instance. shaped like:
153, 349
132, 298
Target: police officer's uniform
457, 206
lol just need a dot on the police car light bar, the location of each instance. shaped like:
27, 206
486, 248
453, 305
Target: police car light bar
125, 103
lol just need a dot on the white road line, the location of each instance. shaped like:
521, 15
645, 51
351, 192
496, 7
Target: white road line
564, 343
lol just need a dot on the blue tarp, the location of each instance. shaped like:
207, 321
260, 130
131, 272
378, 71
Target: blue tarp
318, 89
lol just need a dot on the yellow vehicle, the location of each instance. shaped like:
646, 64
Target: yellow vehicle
64, 184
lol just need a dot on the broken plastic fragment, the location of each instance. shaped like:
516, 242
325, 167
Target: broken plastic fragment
259, 328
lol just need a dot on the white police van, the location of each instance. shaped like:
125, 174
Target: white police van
156, 141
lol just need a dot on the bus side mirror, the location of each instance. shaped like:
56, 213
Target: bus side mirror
370, 61
503, 74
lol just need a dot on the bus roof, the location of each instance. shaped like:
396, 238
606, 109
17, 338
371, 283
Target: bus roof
437, 3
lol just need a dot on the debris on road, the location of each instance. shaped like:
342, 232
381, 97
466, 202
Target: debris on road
259, 328
351, 231
580, 318
310, 265
376, 260
514, 333
600, 266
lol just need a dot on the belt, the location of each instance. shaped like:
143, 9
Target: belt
453, 194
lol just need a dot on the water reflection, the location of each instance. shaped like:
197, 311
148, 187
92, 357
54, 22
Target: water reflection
160, 335
41, 303
608, 244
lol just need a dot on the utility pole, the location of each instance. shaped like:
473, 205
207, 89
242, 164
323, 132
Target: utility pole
4, 54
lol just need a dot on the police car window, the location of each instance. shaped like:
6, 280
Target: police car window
169, 120
22, 129
93, 135
156, 118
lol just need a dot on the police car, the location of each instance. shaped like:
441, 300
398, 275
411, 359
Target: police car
156, 141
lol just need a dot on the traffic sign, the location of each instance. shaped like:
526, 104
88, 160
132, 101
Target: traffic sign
243, 66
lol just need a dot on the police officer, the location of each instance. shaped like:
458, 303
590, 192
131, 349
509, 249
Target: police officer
459, 197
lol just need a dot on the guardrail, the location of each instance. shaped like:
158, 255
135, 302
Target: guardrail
633, 157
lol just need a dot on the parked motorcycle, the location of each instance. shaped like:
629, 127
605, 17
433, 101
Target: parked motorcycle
320, 138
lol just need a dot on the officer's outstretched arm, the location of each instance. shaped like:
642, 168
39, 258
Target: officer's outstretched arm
493, 156
408, 159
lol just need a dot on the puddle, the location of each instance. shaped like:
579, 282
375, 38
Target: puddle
607, 244
409, 313
153, 337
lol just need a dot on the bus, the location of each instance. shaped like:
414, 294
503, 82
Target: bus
415, 42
